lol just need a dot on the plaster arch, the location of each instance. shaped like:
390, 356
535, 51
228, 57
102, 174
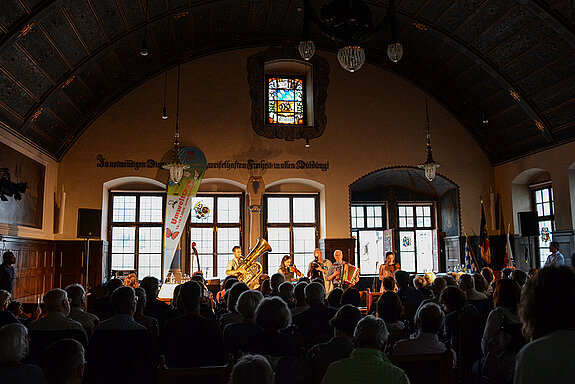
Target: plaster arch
521, 194
217, 182
128, 183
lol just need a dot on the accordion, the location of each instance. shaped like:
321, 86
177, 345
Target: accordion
350, 274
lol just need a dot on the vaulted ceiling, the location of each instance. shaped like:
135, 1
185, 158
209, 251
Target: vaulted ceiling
64, 62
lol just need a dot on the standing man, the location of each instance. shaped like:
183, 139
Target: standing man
233, 264
555, 259
334, 272
318, 268
7, 272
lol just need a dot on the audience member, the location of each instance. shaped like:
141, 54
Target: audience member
487, 273
420, 283
519, 276
334, 298
57, 308
232, 315
266, 288
505, 300
286, 290
227, 284
450, 280
131, 281
150, 323
315, 320
453, 301
236, 334
429, 321
191, 340
123, 302
547, 310
7, 316
429, 277
300, 303
388, 284
14, 347
467, 286
555, 259
506, 273
406, 293
275, 281
341, 344
154, 308
252, 369
102, 306
367, 362
272, 315
64, 363
15, 308
351, 296
77, 296
390, 309
481, 285
436, 287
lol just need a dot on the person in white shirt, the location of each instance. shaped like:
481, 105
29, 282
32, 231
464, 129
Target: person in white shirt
555, 259
58, 307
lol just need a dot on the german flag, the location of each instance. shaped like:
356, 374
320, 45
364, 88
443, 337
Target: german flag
484, 238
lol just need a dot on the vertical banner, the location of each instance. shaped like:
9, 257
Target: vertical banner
179, 200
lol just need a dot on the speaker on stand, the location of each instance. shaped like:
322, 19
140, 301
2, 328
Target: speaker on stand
529, 226
89, 227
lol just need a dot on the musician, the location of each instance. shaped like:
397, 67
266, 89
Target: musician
388, 268
335, 272
318, 268
289, 270
233, 264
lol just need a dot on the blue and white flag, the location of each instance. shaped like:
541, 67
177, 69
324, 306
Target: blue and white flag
470, 266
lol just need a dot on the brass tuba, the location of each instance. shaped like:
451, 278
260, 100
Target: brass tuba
249, 269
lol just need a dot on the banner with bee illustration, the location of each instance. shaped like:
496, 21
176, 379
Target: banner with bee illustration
179, 201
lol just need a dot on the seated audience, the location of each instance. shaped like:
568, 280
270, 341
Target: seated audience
481, 284
341, 344
436, 287
266, 288
131, 281
547, 310
453, 301
227, 284
315, 320
8, 316
252, 369
367, 363
388, 284
123, 302
77, 296
429, 321
467, 286
286, 290
488, 275
272, 315
64, 363
506, 273
519, 276
275, 281
236, 334
102, 306
15, 308
420, 283
390, 309
232, 315
57, 308
154, 308
334, 298
13, 348
406, 293
191, 340
299, 294
150, 323
450, 280
351, 296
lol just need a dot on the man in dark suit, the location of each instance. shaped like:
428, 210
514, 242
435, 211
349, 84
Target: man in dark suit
314, 320
191, 340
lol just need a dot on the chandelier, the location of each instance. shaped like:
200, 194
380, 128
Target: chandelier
430, 166
176, 167
349, 22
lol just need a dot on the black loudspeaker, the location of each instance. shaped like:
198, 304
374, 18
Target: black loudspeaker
89, 223
528, 225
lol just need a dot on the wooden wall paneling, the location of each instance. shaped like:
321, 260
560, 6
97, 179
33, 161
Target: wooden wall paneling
347, 246
71, 265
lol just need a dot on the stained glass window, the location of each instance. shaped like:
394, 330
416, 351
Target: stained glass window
285, 100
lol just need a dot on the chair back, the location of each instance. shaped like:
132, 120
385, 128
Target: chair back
434, 368
470, 332
197, 375
40, 340
121, 357
315, 366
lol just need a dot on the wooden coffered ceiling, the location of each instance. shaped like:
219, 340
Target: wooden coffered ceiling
64, 62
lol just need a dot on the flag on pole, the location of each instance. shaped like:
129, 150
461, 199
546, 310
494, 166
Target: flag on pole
470, 266
484, 238
508, 260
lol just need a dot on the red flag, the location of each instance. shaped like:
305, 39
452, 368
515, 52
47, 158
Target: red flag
484, 238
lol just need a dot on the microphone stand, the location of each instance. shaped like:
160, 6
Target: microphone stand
375, 277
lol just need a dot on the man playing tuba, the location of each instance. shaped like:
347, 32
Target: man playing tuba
233, 264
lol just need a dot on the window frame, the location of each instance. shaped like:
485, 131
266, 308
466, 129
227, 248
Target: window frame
415, 228
356, 230
215, 225
551, 217
290, 224
135, 224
